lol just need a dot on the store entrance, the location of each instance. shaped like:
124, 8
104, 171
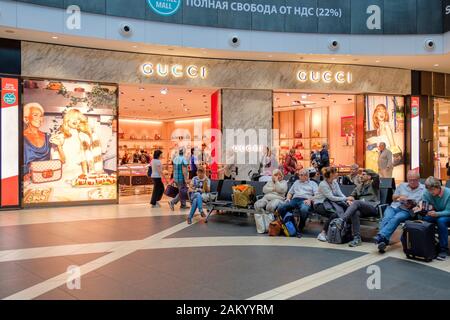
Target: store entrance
166, 118
305, 122
441, 137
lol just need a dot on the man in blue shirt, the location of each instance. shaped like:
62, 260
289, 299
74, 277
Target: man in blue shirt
180, 166
439, 198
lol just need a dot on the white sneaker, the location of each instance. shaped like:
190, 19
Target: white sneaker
322, 237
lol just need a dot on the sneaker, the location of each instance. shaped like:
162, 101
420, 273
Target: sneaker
442, 256
184, 207
202, 213
355, 242
378, 238
382, 247
171, 206
189, 221
322, 237
158, 205
299, 235
154, 206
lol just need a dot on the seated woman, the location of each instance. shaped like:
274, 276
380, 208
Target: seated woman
329, 201
198, 189
363, 203
274, 193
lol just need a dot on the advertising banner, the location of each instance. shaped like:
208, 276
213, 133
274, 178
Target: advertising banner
9, 142
385, 122
446, 15
70, 142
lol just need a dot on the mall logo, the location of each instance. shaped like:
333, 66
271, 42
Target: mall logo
9, 98
164, 7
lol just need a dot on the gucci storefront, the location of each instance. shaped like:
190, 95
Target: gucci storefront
77, 92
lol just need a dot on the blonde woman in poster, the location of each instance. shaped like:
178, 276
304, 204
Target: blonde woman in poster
383, 131
71, 138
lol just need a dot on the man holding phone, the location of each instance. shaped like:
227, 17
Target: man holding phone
405, 206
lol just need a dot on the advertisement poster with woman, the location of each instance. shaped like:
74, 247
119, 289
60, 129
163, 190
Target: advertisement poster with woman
69, 142
385, 123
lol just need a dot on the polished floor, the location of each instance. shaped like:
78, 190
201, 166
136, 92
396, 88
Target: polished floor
131, 251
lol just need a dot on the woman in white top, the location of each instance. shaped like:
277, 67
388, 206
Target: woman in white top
268, 164
157, 176
329, 201
71, 139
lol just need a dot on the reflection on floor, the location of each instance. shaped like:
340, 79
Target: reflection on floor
131, 251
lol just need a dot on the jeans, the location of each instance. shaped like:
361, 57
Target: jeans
330, 215
442, 224
197, 203
177, 198
158, 190
391, 220
263, 205
359, 209
296, 203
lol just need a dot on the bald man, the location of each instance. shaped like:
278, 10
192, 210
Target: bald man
405, 206
385, 166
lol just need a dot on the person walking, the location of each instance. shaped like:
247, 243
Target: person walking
180, 177
157, 178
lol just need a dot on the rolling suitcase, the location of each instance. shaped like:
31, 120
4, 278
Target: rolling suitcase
419, 240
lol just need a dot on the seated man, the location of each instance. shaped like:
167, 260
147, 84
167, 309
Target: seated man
362, 202
439, 198
354, 177
274, 193
300, 197
406, 200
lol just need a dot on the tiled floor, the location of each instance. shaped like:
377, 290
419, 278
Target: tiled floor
130, 251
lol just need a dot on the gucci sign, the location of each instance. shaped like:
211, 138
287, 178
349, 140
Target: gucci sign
340, 77
149, 69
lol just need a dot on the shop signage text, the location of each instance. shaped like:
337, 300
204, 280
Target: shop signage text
164, 7
340, 77
149, 69
446, 15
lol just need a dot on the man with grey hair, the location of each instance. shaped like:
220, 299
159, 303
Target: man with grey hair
300, 197
385, 166
405, 205
439, 211
354, 176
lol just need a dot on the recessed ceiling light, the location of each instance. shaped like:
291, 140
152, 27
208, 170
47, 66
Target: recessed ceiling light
377, 61
270, 56
141, 88
164, 91
304, 96
333, 58
288, 94
55, 37
436, 65
135, 47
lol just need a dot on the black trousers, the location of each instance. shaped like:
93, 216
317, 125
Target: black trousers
158, 190
330, 215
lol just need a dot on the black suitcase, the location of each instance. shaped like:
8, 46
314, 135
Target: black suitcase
419, 240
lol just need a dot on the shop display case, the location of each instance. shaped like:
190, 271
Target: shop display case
133, 179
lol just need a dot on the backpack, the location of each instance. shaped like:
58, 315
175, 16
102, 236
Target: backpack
339, 231
288, 225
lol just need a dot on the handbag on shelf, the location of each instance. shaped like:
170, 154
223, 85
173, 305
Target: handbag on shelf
46, 171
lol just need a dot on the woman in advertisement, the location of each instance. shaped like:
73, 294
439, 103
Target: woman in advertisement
71, 138
383, 132
37, 144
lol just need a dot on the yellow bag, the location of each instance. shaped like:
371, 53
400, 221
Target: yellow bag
243, 195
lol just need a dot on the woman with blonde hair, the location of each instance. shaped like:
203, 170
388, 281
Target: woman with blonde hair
72, 155
381, 123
